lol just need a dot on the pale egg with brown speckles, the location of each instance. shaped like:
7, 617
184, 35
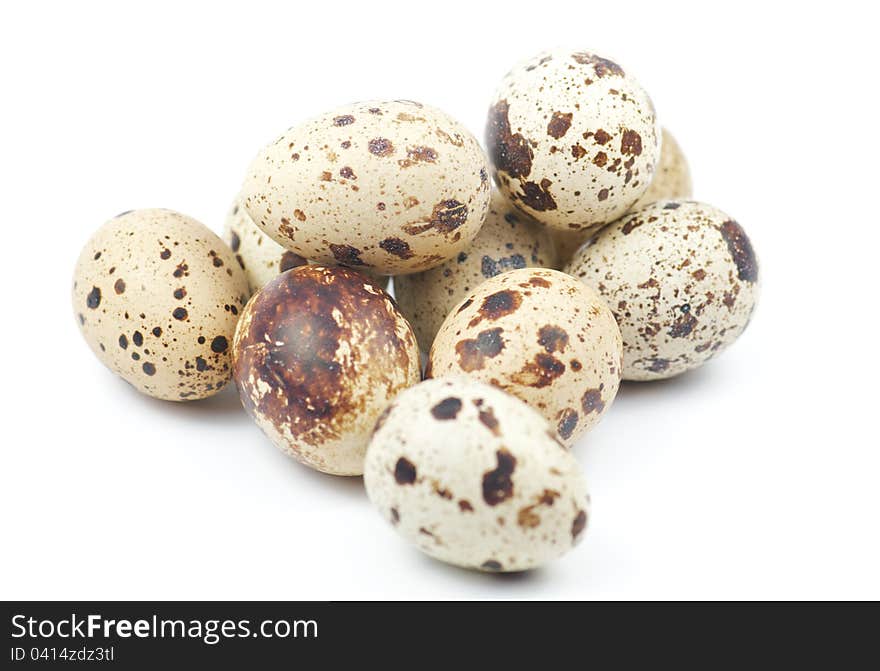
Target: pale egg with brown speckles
393, 187
157, 297
573, 139
682, 280
474, 477
318, 354
508, 240
542, 336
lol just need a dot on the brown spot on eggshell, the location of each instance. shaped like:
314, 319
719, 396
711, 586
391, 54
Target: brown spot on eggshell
540, 372
404, 472
397, 247
559, 124
381, 147
537, 196
740, 248
347, 255
93, 300
498, 483
510, 152
592, 401
473, 352
578, 525
497, 305
601, 66
568, 420
552, 338
446, 409
630, 143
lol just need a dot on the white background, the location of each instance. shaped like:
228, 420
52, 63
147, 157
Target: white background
754, 477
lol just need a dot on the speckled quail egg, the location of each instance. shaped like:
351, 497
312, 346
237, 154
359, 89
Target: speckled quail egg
396, 187
474, 477
507, 241
259, 255
682, 280
573, 139
157, 297
540, 336
672, 177
318, 354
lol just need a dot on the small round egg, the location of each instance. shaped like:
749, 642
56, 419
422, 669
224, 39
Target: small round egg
672, 178
157, 296
318, 353
395, 187
573, 139
508, 240
259, 255
682, 280
474, 477
539, 335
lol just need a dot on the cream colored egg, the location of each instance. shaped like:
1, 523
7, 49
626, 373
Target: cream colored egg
672, 178
474, 477
507, 241
540, 336
394, 187
157, 296
682, 280
318, 354
573, 139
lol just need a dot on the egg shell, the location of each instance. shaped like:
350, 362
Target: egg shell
396, 187
474, 477
538, 335
573, 139
318, 353
672, 177
157, 296
682, 280
508, 240
260, 256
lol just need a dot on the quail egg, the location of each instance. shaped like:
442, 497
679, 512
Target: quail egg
538, 335
682, 280
157, 296
573, 139
474, 477
318, 353
395, 187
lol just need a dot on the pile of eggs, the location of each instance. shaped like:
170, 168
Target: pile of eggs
587, 264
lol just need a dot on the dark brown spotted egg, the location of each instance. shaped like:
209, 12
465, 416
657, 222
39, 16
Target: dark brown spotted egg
682, 280
508, 240
318, 354
539, 335
573, 139
672, 180
396, 187
157, 296
474, 477
259, 255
